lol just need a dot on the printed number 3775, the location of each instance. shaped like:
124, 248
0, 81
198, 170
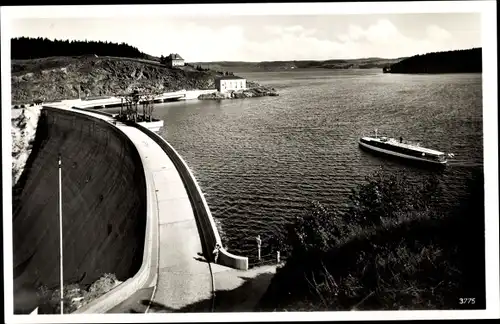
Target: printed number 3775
467, 301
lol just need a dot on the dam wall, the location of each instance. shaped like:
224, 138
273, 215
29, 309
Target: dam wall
104, 205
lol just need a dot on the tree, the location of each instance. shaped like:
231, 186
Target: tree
384, 200
30, 48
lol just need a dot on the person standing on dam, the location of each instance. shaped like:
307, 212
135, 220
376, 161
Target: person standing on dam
216, 252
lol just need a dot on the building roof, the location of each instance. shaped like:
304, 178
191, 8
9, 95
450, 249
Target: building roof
175, 57
230, 77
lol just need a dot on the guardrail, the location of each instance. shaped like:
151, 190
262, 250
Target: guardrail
203, 216
146, 276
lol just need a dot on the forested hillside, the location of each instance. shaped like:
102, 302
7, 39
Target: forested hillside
30, 48
459, 61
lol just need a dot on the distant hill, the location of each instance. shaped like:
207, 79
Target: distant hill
458, 61
32, 48
364, 63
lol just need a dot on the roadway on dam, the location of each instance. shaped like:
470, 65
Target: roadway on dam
184, 277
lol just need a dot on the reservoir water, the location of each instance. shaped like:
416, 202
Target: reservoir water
260, 160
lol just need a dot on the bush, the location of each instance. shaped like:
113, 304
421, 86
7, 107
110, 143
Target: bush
318, 229
392, 198
393, 249
385, 200
75, 295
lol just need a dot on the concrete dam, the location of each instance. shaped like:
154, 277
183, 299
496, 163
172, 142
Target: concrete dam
103, 206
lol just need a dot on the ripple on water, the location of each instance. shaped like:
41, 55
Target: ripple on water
259, 161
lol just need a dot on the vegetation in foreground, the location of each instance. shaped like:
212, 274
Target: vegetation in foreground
395, 248
75, 296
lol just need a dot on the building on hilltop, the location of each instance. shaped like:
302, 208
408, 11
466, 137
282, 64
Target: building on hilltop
174, 60
229, 83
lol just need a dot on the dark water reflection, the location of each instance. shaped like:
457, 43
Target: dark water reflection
260, 160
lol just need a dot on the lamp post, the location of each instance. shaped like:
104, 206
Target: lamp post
259, 243
60, 234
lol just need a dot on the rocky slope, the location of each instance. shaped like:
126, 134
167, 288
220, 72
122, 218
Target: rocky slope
59, 78
24, 122
254, 90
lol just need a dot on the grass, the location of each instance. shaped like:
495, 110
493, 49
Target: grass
394, 249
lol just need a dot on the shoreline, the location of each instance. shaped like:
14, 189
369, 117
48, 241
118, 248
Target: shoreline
252, 92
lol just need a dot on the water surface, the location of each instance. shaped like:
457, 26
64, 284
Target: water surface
260, 160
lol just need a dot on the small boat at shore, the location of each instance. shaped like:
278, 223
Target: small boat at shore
393, 147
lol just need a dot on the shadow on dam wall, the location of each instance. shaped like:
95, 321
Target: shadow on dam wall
104, 206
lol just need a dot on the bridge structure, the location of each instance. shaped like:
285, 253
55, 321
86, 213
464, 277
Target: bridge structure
129, 108
118, 100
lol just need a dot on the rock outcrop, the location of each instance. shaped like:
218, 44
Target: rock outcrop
59, 78
255, 90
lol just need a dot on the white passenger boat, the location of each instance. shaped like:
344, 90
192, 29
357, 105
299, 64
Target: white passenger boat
391, 146
153, 125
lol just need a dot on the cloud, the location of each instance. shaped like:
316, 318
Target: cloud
383, 39
273, 30
260, 40
294, 29
197, 42
286, 31
355, 33
294, 46
297, 42
437, 33
382, 32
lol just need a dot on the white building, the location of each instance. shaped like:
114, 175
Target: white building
230, 83
174, 60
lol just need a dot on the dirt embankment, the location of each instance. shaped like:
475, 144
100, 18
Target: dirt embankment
57, 78
24, 122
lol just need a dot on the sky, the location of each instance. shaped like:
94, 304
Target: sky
205, 38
